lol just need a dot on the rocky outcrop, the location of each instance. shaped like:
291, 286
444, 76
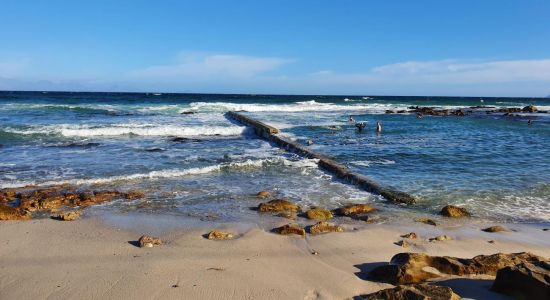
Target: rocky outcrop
524, 281
454, 212
530, 108
30, 199
290, 229
278, 205
13, 214
413, 292
355, 209
410, 235
219, 235
67, 216
325, 227
149, 241
263, 194
319, 214
407, 268
496, 229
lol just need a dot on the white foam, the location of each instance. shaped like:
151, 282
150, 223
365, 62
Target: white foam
368, 163
173, 173
303, 106
126, 129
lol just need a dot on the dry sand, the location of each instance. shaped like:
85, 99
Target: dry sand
87, 259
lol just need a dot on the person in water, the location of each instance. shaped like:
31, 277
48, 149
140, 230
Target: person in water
530, 122
360, 126
351, 120
378, 127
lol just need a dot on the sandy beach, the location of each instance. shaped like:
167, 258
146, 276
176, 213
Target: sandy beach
88, 259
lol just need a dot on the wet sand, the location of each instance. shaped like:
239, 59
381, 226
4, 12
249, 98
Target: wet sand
88, 259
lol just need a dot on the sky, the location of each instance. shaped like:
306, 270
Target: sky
361, 47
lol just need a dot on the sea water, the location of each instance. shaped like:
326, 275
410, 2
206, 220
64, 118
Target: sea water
496, 166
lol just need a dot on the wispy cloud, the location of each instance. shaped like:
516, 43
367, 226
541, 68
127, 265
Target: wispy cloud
196, 66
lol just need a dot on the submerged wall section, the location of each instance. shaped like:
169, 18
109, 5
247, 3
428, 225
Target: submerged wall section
342, 172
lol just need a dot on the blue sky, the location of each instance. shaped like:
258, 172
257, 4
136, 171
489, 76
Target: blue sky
467, 47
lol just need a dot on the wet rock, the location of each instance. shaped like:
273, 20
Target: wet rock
402, 243
67, 216
454, 212
278, 205
148, 241
291, 215
441, 238
410, 235
325, 227
220, 235
132, 195
319, 214
7, 195
366, 218
390, 111
263, 194
154, 150
13, 214
426, 221
496, 229
355, 209
415, 291
290, 229
524, 281
188, 113
530, 108
407, 268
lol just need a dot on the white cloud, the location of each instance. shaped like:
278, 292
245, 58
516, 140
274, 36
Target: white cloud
211, 67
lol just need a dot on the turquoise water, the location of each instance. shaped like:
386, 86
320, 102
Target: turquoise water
496, 166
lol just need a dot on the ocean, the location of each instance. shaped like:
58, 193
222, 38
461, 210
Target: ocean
193, 162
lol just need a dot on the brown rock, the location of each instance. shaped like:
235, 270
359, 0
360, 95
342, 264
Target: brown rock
13, 214
524, 281
319, 214
402, 243
67, 216
219, 235
407, 268
426, 221
291, 215
454, 212
278, 205
530, 108
290, 229
411, 235
496, 229
148, 241
325, 227
132, 195
263, 194
355, 209
413, 292
440, 238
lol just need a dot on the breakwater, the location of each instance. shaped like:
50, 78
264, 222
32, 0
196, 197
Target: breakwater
342, 172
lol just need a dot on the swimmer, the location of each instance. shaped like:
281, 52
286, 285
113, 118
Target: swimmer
378, 127
351, 120
419, 115
530, 122
360, 126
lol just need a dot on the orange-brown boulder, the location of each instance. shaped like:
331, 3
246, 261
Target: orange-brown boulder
325, 227
290, 229
10, 213
149, 241
278, 205
355, 209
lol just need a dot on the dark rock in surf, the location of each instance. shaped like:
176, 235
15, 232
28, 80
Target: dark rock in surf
188, 113
154, 150
529, 108
524, 281
496, 229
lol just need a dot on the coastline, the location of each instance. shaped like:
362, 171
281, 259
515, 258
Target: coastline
88, 258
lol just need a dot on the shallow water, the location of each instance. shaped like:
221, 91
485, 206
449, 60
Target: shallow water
498, 167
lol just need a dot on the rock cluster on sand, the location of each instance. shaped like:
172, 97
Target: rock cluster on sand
219, 235
325, 227
524, 281
454, 212
148, 241
67, 216
290, 229
496, 229
408, 268
278, 205
440, 238
263, 194
410, 235
19, 204
415, 291
319, 214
